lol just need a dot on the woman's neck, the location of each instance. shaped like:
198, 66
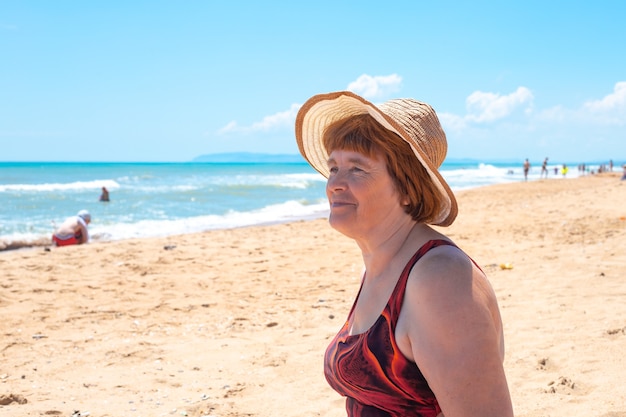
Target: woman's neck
379, 252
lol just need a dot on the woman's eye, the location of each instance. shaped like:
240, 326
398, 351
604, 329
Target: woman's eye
332, 170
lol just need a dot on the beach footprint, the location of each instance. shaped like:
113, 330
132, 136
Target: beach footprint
562, 385
566, 386
12, 398
616, 332
543, 364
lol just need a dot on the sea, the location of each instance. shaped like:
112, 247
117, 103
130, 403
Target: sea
163, 199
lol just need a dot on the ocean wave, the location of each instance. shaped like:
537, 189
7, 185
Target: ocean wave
72, 186
275, 213
300, 181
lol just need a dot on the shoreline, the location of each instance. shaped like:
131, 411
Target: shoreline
45, 242
234, 322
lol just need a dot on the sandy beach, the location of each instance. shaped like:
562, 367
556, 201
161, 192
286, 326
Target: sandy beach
235, 322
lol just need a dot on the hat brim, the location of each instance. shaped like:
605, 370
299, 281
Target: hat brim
322, 110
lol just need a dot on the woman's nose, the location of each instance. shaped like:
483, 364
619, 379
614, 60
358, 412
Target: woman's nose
336, 182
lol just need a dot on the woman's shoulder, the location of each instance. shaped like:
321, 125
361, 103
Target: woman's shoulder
441, 265
441, 254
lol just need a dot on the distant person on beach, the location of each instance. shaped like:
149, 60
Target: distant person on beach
564, 170
544, 168
624, 173
73, 231
424, 335
526, 169
104, 196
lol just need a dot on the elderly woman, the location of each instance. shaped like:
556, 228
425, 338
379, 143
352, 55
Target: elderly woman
424, 335
73, 231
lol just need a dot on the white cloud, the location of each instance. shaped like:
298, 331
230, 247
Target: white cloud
378, 86
610, 110
451, 121
285, 118
484, 108
274, 121
489, 107
230, 127
368, 86
613, 101
607, 111
556, 114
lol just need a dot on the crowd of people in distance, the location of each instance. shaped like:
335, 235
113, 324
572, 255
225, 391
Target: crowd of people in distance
583, 169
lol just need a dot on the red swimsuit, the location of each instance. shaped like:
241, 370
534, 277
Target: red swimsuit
369, 369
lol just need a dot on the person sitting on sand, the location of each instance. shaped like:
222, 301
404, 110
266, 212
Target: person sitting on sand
73, 231
424, 335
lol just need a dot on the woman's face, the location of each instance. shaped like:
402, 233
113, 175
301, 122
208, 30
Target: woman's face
361, 193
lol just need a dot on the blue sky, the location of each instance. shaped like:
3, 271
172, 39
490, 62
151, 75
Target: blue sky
169, 80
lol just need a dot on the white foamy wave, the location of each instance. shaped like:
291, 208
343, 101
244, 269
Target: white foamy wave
149, 189
301, 181
71, 186
278, 213
487, 174
272, 214
484, 174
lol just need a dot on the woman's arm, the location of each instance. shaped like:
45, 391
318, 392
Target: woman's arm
452, 325
82, 231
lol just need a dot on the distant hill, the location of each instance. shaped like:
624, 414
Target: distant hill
234, 157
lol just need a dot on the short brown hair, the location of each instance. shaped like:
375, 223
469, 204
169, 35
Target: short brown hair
362, 133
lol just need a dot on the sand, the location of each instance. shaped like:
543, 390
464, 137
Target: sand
235, 322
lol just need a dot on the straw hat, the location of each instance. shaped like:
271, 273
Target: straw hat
414, 121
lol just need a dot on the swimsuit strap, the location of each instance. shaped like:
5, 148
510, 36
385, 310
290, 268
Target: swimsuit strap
397, 297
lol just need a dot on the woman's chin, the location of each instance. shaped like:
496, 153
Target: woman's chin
341, 225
